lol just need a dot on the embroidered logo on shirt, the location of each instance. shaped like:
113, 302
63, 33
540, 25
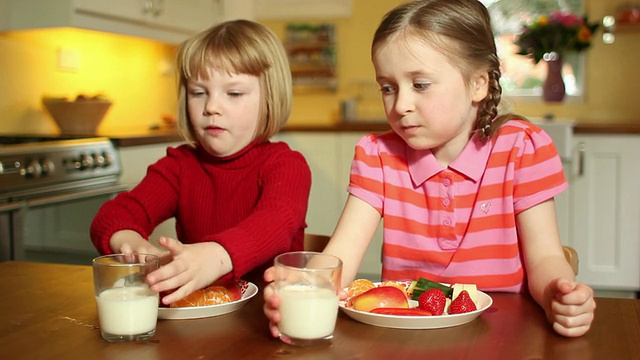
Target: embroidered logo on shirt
485, 207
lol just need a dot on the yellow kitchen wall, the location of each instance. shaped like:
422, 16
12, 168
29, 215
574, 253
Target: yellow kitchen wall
612, 74
137, 75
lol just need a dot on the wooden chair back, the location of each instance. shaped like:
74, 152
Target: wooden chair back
572, 257
315, 242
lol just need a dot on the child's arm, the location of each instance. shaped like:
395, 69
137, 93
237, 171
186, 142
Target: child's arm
569, 305
349, 242
352, 236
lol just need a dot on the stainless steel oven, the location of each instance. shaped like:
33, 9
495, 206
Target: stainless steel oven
49, 193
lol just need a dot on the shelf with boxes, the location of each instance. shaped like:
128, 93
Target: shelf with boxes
312, 56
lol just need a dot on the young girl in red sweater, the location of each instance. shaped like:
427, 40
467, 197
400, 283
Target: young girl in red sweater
238, 199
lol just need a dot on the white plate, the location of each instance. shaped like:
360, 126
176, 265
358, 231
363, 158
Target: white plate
195, 312
418, 322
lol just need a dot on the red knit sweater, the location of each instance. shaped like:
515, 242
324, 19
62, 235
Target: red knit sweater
253, 203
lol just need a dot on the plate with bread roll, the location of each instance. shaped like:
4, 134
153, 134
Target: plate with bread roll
216, 299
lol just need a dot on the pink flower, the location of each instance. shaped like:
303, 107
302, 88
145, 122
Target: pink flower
566, 19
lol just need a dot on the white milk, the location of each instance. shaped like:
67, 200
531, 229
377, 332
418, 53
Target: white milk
307, 312
127, 310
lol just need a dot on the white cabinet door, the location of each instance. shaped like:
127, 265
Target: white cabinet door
302, 9
605, 207
170, 21
187, 16
133, 10
135, 161
371, 266
329, 155
320, 149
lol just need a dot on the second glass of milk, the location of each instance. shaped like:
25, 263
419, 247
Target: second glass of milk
308, 284
127, 308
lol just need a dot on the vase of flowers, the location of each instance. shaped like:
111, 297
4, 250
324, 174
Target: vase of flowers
550, 38
553, 89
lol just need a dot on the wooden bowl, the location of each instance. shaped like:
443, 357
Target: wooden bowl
79, 117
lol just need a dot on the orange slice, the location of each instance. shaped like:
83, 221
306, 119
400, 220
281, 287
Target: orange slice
396, 284
359, 286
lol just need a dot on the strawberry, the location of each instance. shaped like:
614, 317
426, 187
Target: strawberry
462, 304
433, 300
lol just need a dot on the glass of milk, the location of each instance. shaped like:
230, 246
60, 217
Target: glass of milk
127, 308
308, 284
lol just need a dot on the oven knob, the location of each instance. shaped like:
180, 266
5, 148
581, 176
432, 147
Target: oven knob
33, 170
86, 162
108, 159
48, 167
99, 160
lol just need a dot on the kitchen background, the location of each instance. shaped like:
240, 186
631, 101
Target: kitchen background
599, 216
137, 74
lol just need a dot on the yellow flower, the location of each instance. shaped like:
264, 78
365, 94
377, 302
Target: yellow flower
584, 34
543, 20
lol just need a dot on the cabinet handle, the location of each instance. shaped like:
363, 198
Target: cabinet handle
158, 7
581, 155
147, 6
153, 7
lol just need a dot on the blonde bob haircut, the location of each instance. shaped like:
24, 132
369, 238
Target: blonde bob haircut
238, 47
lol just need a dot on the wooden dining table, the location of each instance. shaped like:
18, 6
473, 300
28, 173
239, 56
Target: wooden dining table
48, 311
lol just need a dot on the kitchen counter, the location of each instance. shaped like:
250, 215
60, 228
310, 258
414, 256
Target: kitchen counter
171, 135
146, 138
124, 139
632, 129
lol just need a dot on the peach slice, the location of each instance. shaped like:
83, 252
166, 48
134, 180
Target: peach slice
382, 296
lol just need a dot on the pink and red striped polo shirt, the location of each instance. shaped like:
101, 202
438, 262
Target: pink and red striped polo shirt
457, 223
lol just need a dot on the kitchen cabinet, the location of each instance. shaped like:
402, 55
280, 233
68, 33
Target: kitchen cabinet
307, 9
170, 21
187, 16
371, 266
561, 132
329, 155
135, 160
605, 211
328, 188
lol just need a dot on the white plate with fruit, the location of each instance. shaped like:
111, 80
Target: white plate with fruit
380, 304
192, 307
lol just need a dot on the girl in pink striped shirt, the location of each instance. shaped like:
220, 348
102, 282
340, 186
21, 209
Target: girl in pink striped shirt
466, 195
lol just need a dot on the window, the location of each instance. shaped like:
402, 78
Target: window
520, 77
